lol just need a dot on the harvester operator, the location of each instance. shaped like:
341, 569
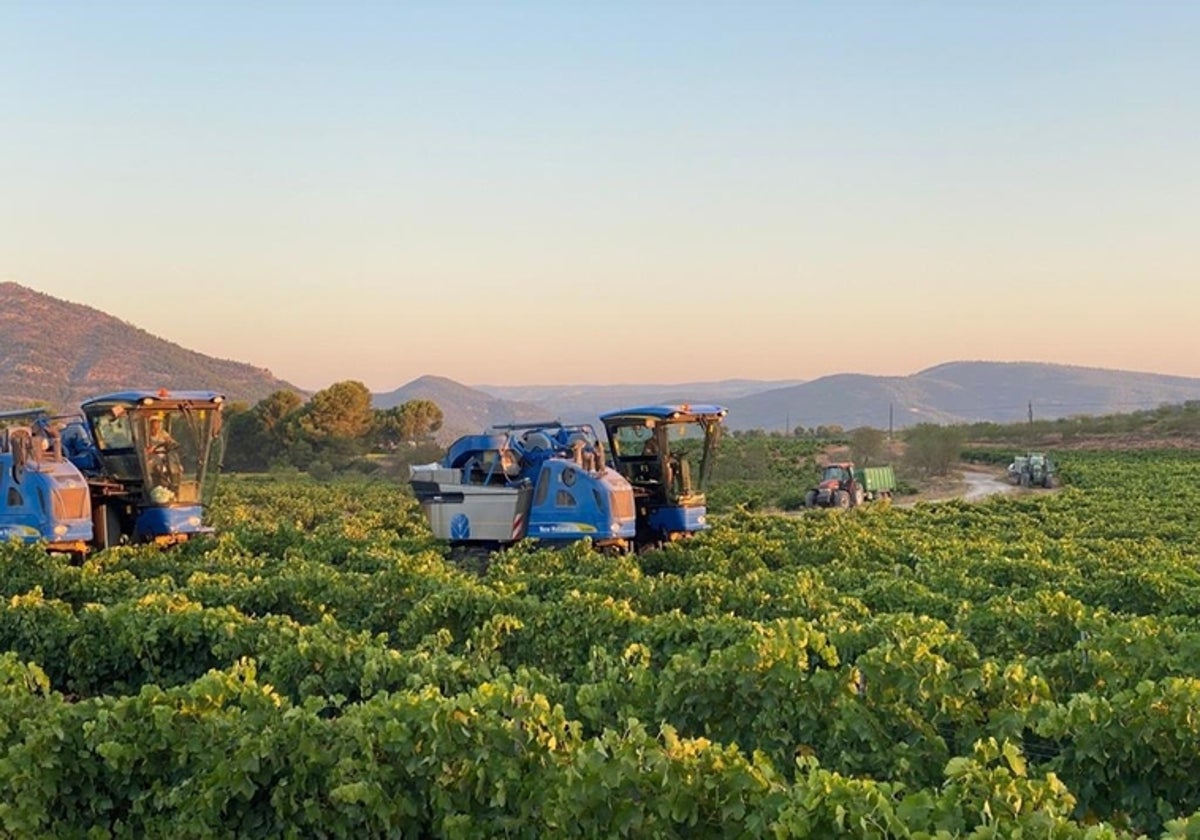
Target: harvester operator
162, 460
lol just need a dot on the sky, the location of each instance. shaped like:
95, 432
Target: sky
583, 192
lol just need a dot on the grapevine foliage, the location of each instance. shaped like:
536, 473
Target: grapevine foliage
1022, 667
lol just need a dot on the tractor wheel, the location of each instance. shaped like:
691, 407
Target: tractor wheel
1026, 481
810, 498
859, 497
841, 499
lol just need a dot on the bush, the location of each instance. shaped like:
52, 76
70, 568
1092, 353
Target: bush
320, 471
792, 500
866, 445
362, 466
932, 449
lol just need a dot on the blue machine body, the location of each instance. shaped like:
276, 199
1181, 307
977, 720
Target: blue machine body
677, 519
545, 481
570, 504
43, 496
666, 452
156, 521
146, 455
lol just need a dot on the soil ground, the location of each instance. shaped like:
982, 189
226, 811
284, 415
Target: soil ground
965, 481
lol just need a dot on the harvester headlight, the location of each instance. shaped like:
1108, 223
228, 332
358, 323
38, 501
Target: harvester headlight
194, 521
59, 530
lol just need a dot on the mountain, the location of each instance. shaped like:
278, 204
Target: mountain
955, 392
58, 353
959, 392
464, 410
584, 403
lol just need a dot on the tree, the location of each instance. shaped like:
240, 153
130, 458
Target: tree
340, 412
263, 434
932, 448
242, 439
274, 409
866, 444
411, 421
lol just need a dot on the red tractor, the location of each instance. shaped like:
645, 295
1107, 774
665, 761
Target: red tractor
844, 485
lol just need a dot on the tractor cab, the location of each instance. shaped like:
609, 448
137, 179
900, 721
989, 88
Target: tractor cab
837, 474
840, 486
147, 457
666, 452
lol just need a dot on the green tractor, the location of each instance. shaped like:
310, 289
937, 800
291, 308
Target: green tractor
1035, 469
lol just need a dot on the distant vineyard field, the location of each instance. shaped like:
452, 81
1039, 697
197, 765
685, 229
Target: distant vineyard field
1023, 667
759, 472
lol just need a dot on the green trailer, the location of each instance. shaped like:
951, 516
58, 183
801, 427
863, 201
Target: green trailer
878, 482
843, 485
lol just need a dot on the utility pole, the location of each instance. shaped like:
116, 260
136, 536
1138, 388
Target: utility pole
891, 420
1031, 412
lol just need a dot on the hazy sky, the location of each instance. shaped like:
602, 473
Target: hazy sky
517, 193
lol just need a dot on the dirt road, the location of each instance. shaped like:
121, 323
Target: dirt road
981, 484
971, 483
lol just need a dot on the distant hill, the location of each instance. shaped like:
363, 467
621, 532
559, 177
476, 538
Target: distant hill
959, 392
464, 409
585, 403
956, 392
60, 353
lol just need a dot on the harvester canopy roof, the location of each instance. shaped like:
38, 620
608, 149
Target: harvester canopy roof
159, 397
681, 411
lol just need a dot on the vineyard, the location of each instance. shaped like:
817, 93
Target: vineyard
1022, 667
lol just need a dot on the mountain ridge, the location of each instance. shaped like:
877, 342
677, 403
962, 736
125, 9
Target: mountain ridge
58, 353
957, 391
960, 392
464, 409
